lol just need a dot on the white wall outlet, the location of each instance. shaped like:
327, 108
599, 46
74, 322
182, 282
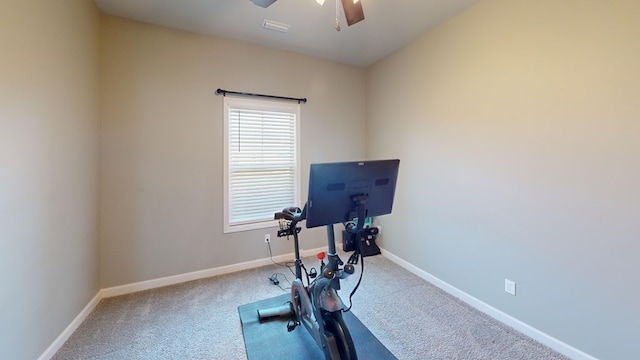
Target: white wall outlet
510, 286
267, 238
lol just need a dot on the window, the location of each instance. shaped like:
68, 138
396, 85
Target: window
261, 161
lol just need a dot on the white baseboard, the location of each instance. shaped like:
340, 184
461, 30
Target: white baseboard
155, 283
504, 318
201, 274
69, 330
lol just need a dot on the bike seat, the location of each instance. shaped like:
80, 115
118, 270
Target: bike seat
290, 213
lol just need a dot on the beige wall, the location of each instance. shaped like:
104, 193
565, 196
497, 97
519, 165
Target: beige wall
162, 153
518, 132
48, 170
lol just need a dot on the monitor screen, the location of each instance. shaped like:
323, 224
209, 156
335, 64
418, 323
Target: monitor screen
332, 187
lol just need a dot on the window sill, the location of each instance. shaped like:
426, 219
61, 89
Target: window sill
229, 229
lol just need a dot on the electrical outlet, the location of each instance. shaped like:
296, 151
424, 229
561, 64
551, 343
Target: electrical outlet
267, 238
510, 286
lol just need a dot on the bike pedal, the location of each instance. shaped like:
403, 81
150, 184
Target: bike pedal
291, 325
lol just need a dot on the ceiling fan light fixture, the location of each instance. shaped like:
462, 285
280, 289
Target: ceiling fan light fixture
276, 26
321, 2
263, 3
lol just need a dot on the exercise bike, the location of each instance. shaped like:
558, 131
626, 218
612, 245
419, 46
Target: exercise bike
338, 193
317, 306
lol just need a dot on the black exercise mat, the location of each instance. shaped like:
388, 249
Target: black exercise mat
271, 340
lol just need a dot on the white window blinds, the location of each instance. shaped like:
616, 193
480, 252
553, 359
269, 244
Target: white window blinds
261, 161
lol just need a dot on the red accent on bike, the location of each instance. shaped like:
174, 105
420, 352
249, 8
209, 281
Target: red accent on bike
321, 255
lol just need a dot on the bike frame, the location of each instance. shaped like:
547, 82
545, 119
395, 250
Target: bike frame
317, 305
321, 296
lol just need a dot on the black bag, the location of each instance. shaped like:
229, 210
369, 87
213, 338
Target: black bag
368, 241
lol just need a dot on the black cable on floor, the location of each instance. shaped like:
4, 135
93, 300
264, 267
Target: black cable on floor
288, 265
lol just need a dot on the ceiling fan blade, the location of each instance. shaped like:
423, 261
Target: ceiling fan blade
353, 12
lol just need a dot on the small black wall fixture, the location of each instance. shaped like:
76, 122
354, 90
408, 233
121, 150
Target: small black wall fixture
225, 92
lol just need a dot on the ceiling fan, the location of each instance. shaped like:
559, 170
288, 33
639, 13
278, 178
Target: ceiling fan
352, 10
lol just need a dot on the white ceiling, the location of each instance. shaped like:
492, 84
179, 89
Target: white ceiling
388, 24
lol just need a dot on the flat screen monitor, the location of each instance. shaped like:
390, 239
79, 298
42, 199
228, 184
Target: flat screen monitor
333, 186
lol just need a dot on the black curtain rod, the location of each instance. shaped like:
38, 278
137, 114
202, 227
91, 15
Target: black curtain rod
225, 92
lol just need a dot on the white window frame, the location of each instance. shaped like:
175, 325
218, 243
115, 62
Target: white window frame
255, 104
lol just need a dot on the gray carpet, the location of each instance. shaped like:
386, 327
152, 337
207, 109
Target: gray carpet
199, 320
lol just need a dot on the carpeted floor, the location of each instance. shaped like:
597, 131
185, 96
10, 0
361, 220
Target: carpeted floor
199, 320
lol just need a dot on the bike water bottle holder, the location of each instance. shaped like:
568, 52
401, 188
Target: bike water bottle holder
286, 231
